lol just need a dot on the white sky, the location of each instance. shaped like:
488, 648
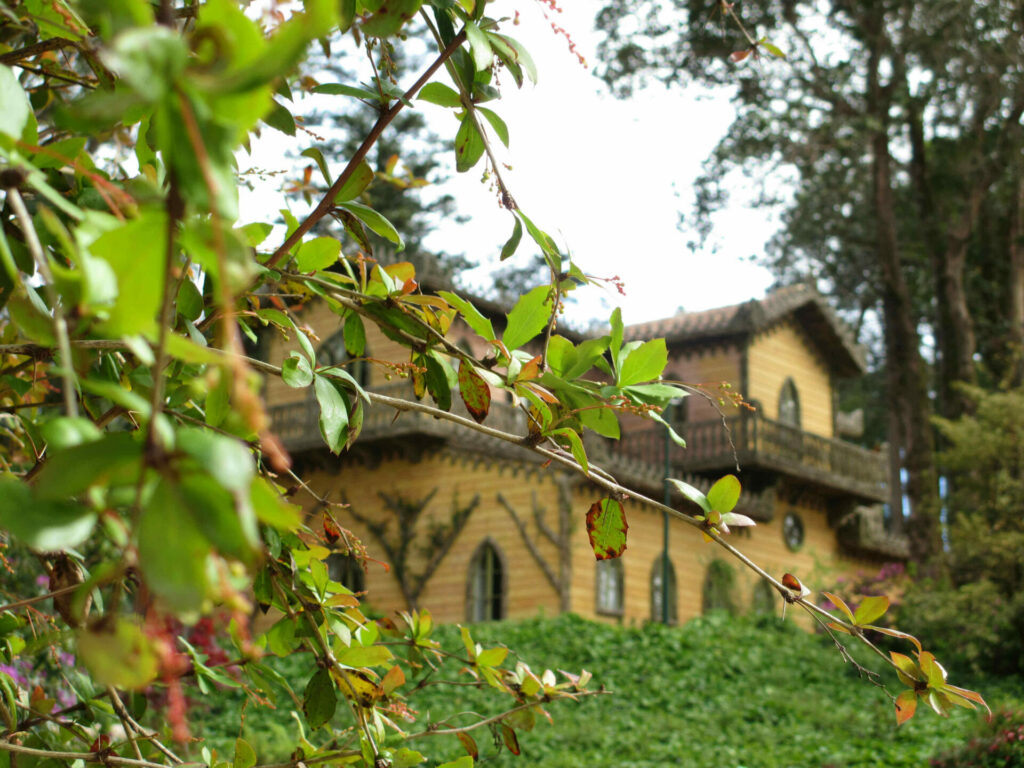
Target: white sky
606, 177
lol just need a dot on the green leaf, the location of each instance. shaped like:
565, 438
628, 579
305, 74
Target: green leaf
476, 393
333, 413
693, 494
496, 123
520, 56
119, 653
479, 47
280, 119
14, 116
365, 656
407, 758
492, 657
644, 363
615, 341
375, 222
355, 335
541, 238
296, 371
135, 252
440, 94
256, 232
227, 460
172, 550
319, 253
320, 699
354, 186
113, 459
440, 379
480, 324
724, 494
576, 446
512, 244
870, 609
469, 144
337, 89
273, 510
466, 761
190, 301
245, 755
773, 49
67, 432
315, 154
606, 527
528, 317
43, 525
390, 17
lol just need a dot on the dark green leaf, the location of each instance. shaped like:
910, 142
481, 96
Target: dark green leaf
245, 756
333, 413
336, 89
172, 550
112, 459
225, 458
512, 244
390, 17
318, 156
438, 381
319, 699
280, 118
469, 144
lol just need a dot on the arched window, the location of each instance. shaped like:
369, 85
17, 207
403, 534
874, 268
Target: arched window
485, 599
658, 591
719, 592
347, 571
764, 599
610, 587
334, 352
789, 404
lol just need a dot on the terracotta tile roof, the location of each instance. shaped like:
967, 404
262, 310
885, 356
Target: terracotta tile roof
809, 308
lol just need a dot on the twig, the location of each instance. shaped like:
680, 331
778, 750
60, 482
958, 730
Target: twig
38, 598
122, 715
102, 756
60, 327
327, 201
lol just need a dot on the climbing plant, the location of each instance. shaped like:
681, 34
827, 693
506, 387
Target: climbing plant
147, 509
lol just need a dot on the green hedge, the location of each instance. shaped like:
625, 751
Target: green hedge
721, 692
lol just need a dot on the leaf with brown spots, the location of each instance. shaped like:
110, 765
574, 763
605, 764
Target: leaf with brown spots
476, 394
331, 530
606, 527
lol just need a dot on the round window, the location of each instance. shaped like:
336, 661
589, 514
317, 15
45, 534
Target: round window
793, 531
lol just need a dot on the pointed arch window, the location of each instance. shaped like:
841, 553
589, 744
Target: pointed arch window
658, 591
485, 599
334, 352
610, 588
789, 403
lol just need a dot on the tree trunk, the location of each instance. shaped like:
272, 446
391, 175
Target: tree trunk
1015, 367
905, 371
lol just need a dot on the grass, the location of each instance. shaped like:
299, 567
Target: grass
720, 692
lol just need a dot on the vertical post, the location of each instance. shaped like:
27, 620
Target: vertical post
664, 526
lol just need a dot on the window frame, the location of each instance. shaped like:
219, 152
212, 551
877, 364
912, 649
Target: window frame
613, 565
479, 607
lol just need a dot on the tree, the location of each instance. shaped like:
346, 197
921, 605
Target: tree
140, 486
902, 124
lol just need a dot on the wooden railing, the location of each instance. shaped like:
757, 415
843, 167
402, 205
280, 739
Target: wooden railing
755, 442
750, 440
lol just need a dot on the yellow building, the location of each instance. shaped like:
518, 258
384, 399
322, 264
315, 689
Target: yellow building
474, 528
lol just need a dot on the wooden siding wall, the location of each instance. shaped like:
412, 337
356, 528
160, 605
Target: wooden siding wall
707, 367
455, 478
783, 351
817, 562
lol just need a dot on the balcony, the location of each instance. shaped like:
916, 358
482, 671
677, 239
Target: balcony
764, 447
